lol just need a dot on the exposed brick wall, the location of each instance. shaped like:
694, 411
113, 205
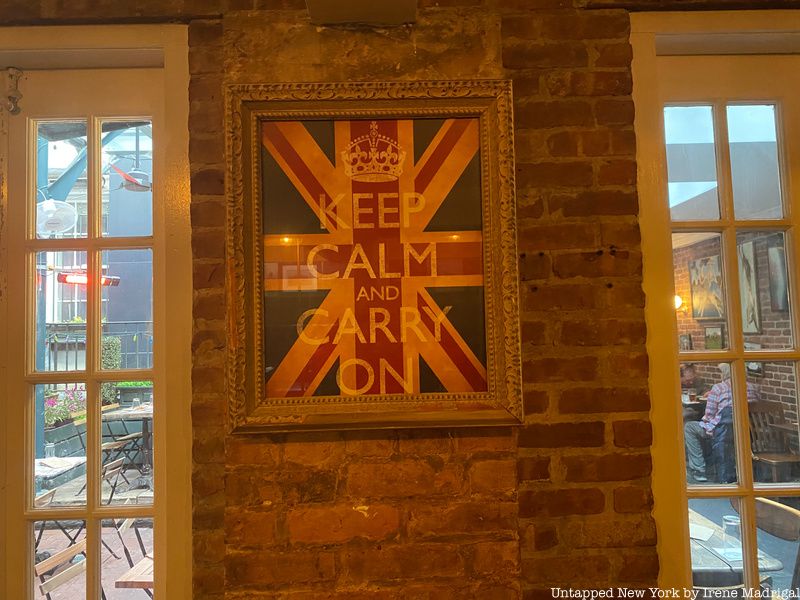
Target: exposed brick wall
455, 513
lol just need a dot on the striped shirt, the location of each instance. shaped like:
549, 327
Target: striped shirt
720, 397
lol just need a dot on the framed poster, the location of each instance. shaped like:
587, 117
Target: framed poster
705, 278
778, 284
371, 235
748, 288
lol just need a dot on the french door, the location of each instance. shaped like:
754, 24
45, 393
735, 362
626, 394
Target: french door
720, 237
85, 337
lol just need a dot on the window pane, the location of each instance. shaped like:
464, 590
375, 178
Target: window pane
60, 311
61, 197
127, 178
778, 522
715, 534
127, 293
707, 401
59, 560
773, 422
127, 559
764, 290
59, 444
691, 163
699, 284
127, 442
755, 170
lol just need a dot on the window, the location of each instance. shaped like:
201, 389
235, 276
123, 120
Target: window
719, 226
97, 386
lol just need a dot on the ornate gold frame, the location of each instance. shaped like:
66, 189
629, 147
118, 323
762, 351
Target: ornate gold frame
246, 106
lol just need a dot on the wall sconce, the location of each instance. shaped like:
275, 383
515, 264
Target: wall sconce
679, 304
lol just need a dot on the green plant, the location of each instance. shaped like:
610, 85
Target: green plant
110, 358
59, 405
135, 384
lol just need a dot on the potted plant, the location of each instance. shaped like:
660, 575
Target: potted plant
65, 420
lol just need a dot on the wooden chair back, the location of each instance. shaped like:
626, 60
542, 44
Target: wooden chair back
59, 559
764, 437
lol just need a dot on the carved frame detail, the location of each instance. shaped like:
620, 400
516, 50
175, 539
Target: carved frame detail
249, 104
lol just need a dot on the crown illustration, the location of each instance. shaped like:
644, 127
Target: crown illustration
373, 157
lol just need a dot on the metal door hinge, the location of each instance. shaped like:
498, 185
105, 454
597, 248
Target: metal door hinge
12, 94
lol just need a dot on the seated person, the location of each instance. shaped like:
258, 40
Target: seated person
716, 427
687, 376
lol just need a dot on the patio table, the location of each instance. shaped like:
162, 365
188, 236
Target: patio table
144, 414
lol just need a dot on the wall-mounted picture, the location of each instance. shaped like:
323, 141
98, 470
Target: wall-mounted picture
778, 285
748, 288
374, 277
714, 338
705, 276
685, 342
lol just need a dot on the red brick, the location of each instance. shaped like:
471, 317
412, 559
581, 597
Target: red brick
250, 528
584, 400
210, 307
605, 332
431, 521
208, 182
278, 568
533, 468
617, 172
614, 112
561, 113
620, 234
493, 477
403, 478
561, 297
409, 561
545, 537
595, 203
426, 442
541, 370
529, 210
208, 379
563, 143
535, 401
638, 567
556, 236
207, 275
209, 244
614, 532
632, 499
522, 55
609, 467
207, 214
633, 434
533, 332
555, 174
252, 451
315, 450
613, 55
367, 444
496, 558
534, 265
562, 435
341, 523
552, 569
599, 263
486, 440
630, 364
623, 142
584, 83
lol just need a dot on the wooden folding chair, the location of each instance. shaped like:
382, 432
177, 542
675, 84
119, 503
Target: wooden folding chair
55, 571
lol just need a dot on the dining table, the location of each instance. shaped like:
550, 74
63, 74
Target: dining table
144, 414
714, 565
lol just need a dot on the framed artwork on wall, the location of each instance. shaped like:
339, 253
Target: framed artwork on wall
705, 278
748, 288
778, 285
374, 263
713, 338
685, 342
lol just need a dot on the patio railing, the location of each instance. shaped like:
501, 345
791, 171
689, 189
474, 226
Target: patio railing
65, 344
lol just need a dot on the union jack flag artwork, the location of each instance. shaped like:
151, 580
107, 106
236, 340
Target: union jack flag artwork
373, 252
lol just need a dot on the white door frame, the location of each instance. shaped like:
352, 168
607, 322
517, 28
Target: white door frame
685, 34
124, 46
